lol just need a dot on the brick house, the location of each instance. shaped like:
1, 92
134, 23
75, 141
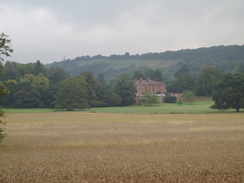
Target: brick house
150, 86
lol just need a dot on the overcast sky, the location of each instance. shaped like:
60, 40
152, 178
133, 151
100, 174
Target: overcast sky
46, 30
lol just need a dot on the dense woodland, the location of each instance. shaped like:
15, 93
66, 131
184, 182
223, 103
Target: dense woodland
37, 85
224, 58
33, 85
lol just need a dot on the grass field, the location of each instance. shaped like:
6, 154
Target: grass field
102, 147
162, 108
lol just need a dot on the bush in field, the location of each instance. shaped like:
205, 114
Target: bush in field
149, 99
179, 102
170, 99
190, 97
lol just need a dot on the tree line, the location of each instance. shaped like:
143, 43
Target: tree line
32, 85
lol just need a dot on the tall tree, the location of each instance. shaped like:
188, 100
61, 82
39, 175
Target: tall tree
72, 94
207, 78
101, 79
19, 98
5, 50
110, 98
40, 83
124, 86
48, 95
183, 83
153, 74
179, 85
229, 92
148, 73
38, 67
5, 47
57, 74
24, 69
92, 85
26, 82
240, 68
32, 99
183, 70
12, 86
10, 70
157, 74
138, 74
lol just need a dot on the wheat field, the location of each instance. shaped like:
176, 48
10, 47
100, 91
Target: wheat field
92, 147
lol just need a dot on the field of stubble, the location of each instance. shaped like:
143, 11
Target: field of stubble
86, 147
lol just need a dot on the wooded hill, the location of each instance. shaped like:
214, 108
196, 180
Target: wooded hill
223, 58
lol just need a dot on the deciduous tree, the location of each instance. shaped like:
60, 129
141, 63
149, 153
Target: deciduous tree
38, 67
183, 70
153, 74
5, 47
32, 99
72, 94
149, 99
110, 97
208, 77
190, 97
92, 85
170, 99
5, 50
101, 79
18, 98
158, 75
12, 86
124, 86
56, 75
10, 70
138, 74
184, 82
40, 83
229, 92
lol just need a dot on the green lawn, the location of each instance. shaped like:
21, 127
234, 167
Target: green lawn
162, 108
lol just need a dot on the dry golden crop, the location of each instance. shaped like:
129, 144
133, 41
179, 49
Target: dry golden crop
92, 147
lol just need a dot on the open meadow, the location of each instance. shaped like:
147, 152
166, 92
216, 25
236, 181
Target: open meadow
162, 108
102, 147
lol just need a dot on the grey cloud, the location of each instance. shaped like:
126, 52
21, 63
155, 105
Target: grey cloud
46, 30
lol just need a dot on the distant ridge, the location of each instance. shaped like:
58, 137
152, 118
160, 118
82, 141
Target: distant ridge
224, 58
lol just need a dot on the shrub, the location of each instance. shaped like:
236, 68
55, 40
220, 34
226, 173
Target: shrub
170, 99
141, 101
190, 97
96, 103
179, 102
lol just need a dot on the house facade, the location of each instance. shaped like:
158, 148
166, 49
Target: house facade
150, 86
